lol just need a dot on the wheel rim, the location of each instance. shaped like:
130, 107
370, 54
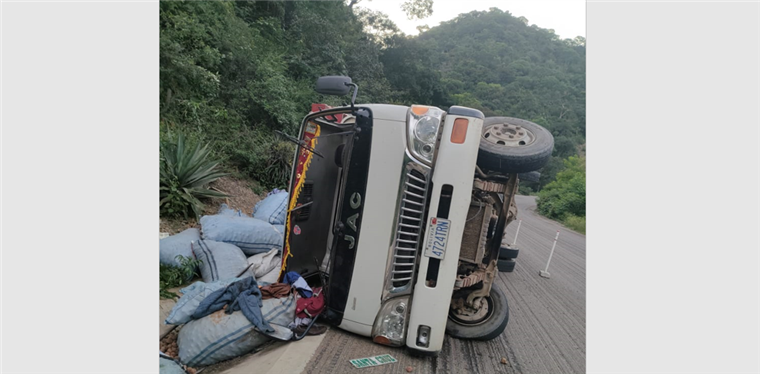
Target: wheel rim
470, 317
508, 135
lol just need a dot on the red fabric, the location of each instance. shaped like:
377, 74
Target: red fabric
311, 306
275, 291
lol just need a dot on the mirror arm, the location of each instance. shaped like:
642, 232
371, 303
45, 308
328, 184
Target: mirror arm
356, 89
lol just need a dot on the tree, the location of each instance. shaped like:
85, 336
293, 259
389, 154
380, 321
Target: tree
351, 3
378, 25
418, 8
411, 72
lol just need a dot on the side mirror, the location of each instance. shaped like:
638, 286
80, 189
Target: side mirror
334, 85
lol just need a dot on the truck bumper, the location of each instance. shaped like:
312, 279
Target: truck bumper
454, 167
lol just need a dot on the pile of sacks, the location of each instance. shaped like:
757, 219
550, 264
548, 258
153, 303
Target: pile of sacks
232, 247
231, 244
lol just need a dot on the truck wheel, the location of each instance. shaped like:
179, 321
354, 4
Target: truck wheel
532, 176
484, 324
513, 145
505, 266
506, 253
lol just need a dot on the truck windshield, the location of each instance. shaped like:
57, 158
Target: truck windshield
320, 170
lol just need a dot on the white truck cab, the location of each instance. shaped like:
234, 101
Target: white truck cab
392, 215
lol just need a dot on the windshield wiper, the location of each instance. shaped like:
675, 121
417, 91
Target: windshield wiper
299, 143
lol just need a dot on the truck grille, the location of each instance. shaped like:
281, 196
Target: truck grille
409, 229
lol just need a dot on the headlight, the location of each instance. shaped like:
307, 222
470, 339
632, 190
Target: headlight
423, 124
390, 323
426, 129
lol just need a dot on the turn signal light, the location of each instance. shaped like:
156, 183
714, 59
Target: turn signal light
419, 109
459, 132
382, 340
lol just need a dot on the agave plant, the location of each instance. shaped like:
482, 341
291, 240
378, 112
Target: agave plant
278, 163
185, 174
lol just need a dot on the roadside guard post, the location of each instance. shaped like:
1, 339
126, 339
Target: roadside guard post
516, 233
545, 273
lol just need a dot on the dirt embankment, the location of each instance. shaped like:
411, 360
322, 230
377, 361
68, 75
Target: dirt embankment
241, 196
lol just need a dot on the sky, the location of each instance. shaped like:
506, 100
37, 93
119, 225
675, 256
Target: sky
567, 17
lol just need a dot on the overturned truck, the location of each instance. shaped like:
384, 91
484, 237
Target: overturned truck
399, 214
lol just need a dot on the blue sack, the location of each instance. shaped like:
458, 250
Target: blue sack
221, 336
251, 235
177, 245
221, 261
169, 366
227, 211
191, 297
273, 208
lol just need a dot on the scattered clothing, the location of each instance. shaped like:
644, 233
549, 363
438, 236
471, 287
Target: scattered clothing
310, 307
314, 330
275, 291
298, 322
243, 295
292, 278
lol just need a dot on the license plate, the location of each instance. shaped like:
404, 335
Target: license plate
372, 361
437, 236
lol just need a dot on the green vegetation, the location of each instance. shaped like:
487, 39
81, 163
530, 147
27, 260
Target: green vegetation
565, 198
231, 73
185, 172
495, 62
172, 276
576, 223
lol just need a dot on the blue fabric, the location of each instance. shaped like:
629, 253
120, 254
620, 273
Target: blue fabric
178, 245
221, 336
295, 280
243, 295
221, 261
225, 210
191, 297
272, 209
169, 366
251, 235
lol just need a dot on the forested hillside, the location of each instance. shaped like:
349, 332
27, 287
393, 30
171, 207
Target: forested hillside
233, 72
497, 63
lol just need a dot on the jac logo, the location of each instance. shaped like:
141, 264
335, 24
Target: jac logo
355, 202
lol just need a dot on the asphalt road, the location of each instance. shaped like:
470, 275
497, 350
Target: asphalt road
547, 325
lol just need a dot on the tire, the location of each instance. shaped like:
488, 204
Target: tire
529, 150
506, 253
532, 176
505, 266
489, 328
